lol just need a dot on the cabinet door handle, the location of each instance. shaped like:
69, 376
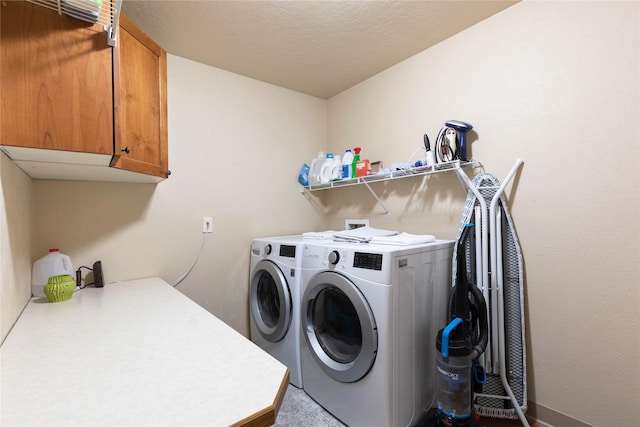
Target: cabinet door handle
126, 150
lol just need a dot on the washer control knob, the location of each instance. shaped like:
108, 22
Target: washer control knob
267, 249
334, 257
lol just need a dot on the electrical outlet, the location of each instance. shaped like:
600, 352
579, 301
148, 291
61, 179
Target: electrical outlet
207, 224
350, 224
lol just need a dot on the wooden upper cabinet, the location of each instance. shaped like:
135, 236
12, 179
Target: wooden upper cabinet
64, 89
140, 73
56, 81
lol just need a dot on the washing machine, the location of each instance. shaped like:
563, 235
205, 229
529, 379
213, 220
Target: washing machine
369, 320
275, 289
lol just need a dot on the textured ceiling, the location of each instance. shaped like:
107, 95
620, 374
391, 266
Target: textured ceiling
315, 47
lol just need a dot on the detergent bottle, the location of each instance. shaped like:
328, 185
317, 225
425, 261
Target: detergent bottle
347, 160
326, 169
52, 264
336, 169
356, 159
316, 168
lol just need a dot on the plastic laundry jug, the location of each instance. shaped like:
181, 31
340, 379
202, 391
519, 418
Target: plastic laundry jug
52, 264
315, 168
336, 170
326, 169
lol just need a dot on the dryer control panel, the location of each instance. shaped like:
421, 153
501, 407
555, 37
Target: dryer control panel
367, 260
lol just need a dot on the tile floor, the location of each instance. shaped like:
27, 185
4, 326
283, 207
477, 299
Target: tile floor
298, 410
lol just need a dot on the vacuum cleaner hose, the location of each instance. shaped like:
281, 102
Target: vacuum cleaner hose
481, 345
478, 306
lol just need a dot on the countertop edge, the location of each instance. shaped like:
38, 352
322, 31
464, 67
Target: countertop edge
267, 417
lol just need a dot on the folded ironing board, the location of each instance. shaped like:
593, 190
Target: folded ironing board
494, 259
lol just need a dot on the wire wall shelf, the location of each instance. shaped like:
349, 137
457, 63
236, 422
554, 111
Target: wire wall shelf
387, 176
102, 12
455, 165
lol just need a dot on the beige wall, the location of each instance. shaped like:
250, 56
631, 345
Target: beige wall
15, 243
235, 149
556, 84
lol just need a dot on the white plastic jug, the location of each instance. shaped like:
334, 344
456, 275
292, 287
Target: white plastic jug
326, 169
315, 168
52, 264
336, 170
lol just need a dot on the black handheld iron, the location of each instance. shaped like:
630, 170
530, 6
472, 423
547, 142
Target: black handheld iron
98, 276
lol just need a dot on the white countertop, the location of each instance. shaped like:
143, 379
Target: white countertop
133, 353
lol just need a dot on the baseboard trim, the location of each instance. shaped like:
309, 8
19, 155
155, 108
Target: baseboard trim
552, 418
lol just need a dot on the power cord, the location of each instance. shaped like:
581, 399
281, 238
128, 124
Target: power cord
410, 161
446, 149
79, 278
195, 261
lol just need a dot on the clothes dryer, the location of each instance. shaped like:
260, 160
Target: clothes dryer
370, 315
275, 286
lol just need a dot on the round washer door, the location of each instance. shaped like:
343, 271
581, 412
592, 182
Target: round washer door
339, 327
270, 300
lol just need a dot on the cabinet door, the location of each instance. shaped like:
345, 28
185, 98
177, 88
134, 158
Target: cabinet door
140, 73
56, 81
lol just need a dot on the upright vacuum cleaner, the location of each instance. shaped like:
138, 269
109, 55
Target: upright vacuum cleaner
459, 344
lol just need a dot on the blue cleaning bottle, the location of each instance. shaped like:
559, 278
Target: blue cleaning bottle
347, 160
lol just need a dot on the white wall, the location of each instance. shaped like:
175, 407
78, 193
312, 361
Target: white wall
235, 149
15, 243
556, 84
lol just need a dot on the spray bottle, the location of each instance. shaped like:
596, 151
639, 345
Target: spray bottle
356, 159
